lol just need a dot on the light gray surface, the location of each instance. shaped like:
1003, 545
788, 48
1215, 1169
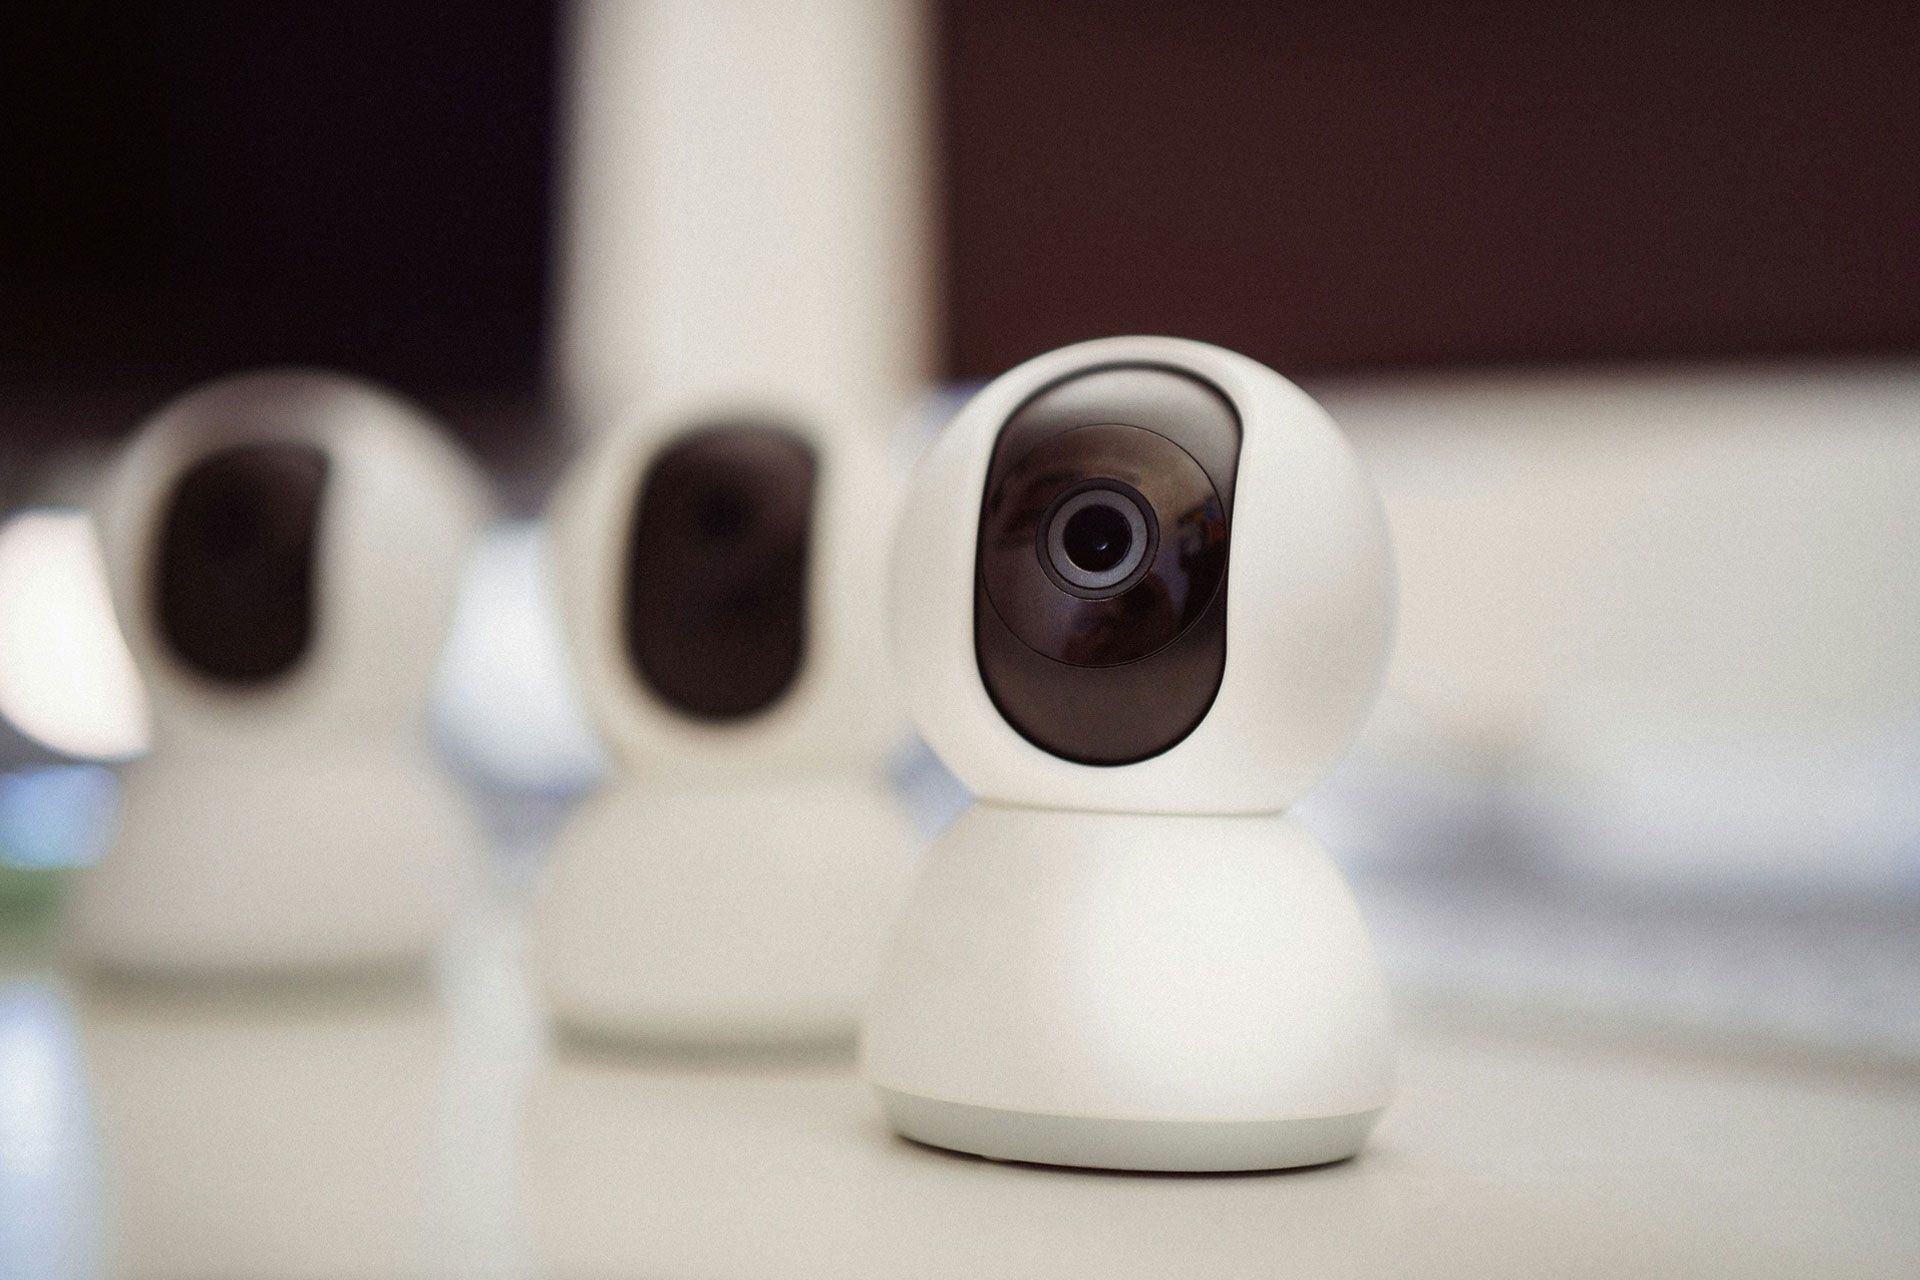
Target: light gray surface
428, 1130
1504, 1156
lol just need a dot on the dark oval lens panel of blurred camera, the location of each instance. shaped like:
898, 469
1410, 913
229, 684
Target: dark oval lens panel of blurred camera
1105, 642
716, 582
235, 582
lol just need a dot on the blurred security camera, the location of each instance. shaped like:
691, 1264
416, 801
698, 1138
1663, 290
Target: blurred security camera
1141, 600
720, 571
282, 550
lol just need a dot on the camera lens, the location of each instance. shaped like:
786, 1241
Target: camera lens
1096, 538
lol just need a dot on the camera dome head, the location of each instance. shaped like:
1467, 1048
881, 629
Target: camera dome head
283, 547
1140, 574
719, 565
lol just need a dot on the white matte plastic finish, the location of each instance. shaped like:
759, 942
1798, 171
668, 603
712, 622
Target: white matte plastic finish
302, 824
1146, 966
1162, 1146
732, 882
289, 862
744, 912
1175, 976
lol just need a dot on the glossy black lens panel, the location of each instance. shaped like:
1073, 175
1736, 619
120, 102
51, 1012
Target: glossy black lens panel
1100, 589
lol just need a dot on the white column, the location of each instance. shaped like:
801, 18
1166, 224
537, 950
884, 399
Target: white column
747, 206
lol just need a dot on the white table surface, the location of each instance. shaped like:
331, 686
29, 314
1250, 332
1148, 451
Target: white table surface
427, 1128
1503, 1157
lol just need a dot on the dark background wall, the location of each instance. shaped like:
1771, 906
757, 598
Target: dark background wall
1361, 183
195, 188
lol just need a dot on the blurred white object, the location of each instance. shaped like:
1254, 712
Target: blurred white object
1678, 609
748, 199
1665, 796
1830, 973
504, 699
731, 881
1409, 794
66, 679
734, 914
296, 821
747, 238
1742, 538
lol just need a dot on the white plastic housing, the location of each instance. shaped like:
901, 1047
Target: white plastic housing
731, 882
1309, 605
300, 824
1131, 991
276, 864
745, 910
1145, 966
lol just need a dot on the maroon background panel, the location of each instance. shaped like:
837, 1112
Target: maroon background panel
1409, 184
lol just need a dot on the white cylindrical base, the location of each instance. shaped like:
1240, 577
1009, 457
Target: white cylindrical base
731, 914
1131, 992
275, 863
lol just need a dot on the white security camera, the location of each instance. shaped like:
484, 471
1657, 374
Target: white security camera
720, 570
282, 550
1141, 600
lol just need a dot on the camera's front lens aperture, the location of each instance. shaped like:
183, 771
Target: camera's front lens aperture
1096, 538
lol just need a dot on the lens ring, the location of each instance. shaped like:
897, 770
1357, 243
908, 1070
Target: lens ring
1090, 501
1183, 569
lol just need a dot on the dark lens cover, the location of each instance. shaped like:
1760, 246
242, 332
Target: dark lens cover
1095, 672
716, 581
1091, 628
234, 580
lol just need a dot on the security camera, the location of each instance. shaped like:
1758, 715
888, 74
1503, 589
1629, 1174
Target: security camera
720, 571
282, 550
1141, 598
